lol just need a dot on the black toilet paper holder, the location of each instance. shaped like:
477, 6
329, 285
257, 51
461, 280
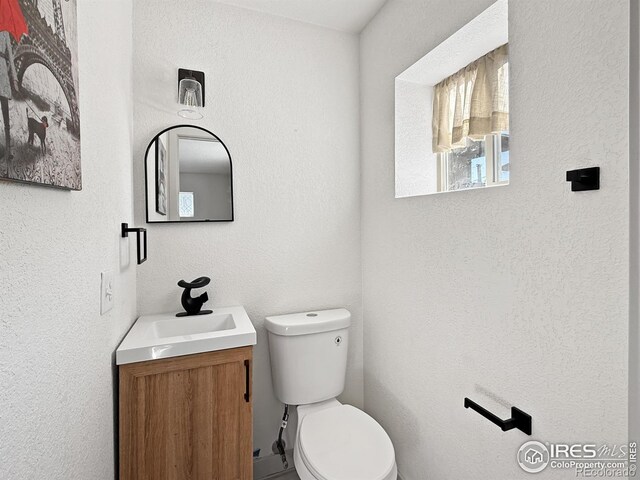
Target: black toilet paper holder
519, 419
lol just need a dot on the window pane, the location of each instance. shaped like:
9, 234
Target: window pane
467, 167
504, 157
186, 204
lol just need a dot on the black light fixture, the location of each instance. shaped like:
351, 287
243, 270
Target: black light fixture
191, 93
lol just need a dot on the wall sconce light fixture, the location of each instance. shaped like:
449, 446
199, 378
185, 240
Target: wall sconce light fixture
191, 93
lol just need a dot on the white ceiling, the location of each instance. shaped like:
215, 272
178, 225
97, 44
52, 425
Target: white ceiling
345, 15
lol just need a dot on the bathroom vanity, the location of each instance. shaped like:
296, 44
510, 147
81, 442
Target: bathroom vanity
185, 397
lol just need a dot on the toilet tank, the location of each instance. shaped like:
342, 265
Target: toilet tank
308, 354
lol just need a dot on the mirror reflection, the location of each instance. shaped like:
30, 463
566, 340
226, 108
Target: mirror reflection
189, 177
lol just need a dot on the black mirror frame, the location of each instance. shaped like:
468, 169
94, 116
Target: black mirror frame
146, 179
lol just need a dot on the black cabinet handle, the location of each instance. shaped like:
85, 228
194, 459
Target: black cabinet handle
519, 419
140, 241
247, 378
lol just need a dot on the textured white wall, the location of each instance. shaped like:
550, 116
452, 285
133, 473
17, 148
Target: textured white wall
634, 216
283, 96
512, 296
416, 164
56, 400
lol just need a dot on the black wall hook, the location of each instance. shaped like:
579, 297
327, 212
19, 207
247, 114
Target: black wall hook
584, 179
138, 231
519, 419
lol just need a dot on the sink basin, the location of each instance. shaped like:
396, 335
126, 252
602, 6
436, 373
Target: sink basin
154, 337
193, 325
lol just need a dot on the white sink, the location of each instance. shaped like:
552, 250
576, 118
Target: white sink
162, 336
193, 325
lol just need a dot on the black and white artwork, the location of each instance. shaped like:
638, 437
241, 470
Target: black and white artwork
161, 177
39, 93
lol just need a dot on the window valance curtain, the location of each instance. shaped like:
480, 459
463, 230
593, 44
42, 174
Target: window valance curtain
472, 102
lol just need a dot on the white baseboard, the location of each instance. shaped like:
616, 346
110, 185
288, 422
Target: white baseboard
266, 468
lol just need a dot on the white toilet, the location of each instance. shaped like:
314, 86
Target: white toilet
308, 364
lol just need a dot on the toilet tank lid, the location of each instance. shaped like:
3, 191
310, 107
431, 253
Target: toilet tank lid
305, 323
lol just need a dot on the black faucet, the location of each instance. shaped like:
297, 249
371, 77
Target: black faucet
192, 305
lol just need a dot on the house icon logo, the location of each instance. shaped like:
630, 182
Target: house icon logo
533, 457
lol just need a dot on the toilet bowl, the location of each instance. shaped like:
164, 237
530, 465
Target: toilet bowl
340, 442
308, 366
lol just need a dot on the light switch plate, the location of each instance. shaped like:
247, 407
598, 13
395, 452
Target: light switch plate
106, 291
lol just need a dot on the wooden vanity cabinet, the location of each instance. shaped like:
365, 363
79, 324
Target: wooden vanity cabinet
187, 418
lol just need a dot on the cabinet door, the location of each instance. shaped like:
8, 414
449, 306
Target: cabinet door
187, 418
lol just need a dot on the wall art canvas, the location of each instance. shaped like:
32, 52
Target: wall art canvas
40, 135
161, 177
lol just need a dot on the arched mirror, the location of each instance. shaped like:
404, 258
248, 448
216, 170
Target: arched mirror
188, 177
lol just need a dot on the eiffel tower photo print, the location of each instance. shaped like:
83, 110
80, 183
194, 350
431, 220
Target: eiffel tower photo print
39, 93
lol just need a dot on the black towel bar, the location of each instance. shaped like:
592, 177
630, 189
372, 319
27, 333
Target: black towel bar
519, 419
141, 242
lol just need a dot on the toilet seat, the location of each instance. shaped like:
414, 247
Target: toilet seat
344, 443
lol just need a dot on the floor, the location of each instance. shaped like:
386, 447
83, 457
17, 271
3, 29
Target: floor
288, 476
